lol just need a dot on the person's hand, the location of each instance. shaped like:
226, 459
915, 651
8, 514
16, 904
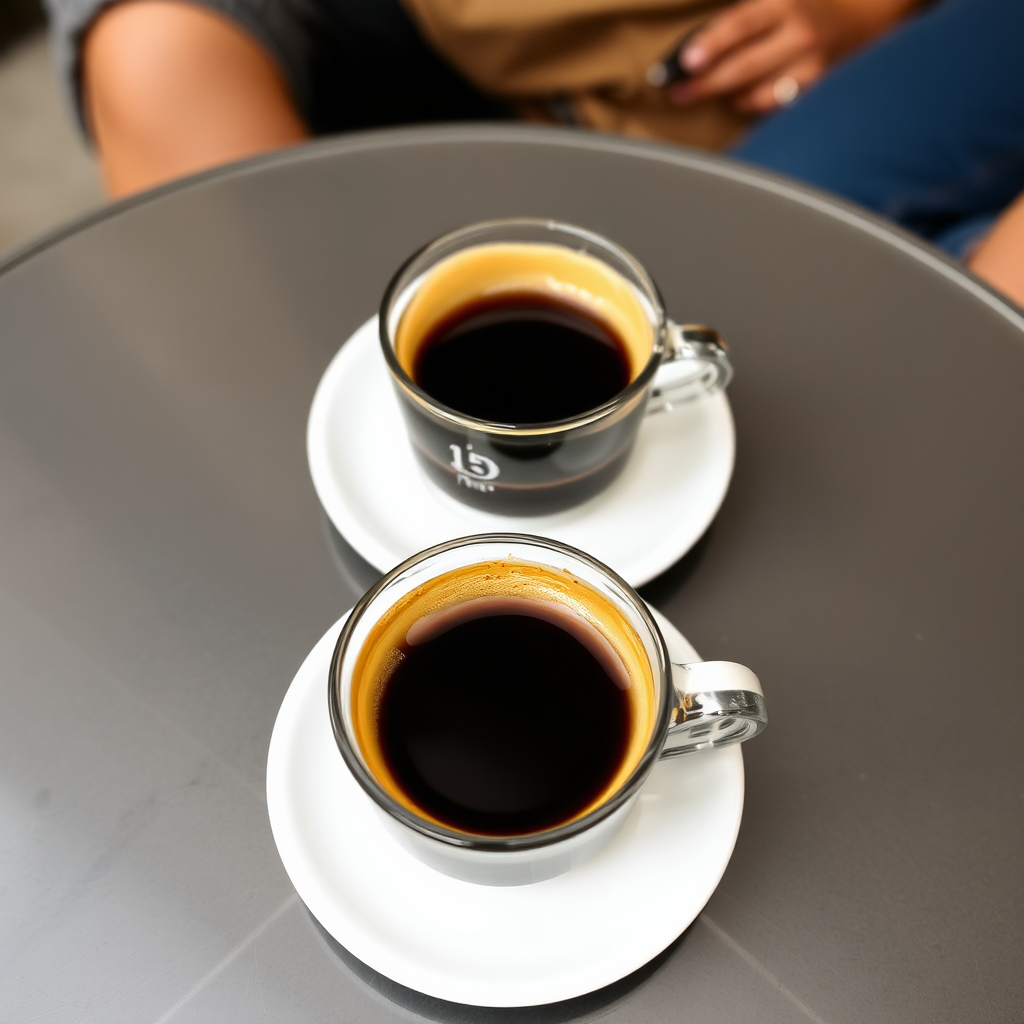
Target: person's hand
762, 53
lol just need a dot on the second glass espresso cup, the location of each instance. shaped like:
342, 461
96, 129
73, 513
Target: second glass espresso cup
502, 698
552, 304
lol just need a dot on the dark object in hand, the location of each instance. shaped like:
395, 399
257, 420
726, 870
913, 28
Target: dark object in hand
668, 70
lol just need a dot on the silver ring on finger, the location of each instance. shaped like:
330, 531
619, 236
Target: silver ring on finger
785, 90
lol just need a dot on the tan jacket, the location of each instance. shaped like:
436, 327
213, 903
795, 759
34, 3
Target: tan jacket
587, 56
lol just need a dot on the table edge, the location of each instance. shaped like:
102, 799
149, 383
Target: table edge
570, 138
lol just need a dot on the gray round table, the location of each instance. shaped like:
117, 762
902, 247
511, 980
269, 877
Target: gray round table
165, 567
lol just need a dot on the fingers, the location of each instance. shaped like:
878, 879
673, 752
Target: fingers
780, 90
741, 69
726, 32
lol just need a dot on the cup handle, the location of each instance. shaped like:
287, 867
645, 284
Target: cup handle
695, 363
717, 703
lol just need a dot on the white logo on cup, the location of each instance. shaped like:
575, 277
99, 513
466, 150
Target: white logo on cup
475, 469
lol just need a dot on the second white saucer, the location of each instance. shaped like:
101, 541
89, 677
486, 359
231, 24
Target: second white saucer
495, 945
368, 481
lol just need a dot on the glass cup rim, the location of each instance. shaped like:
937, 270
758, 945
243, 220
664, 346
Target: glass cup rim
527, 841
599, 412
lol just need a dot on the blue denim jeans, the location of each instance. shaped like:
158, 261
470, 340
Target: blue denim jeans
925, 126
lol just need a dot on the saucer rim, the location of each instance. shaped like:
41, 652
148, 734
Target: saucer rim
655, 560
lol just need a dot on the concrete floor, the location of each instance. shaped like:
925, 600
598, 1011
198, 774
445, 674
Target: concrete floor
47, 175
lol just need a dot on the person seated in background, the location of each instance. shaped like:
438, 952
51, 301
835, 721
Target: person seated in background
166, 88
170, 87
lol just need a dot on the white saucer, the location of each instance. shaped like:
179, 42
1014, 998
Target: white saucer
368, 481
484, 945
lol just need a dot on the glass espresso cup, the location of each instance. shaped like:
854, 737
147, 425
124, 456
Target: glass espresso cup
525, 354
502, 698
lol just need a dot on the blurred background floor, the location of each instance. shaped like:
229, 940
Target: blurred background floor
47, 174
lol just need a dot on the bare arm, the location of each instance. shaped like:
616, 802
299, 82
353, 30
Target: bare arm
1000, 258
172, 88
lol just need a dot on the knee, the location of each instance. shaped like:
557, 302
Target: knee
171, 88
165, 65
137, 61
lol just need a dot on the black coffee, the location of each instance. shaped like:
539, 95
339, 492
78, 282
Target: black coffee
502, 725
521, 359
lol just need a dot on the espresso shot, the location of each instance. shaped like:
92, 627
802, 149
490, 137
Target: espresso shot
502, 699
521, 370
503, 724
522, 359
